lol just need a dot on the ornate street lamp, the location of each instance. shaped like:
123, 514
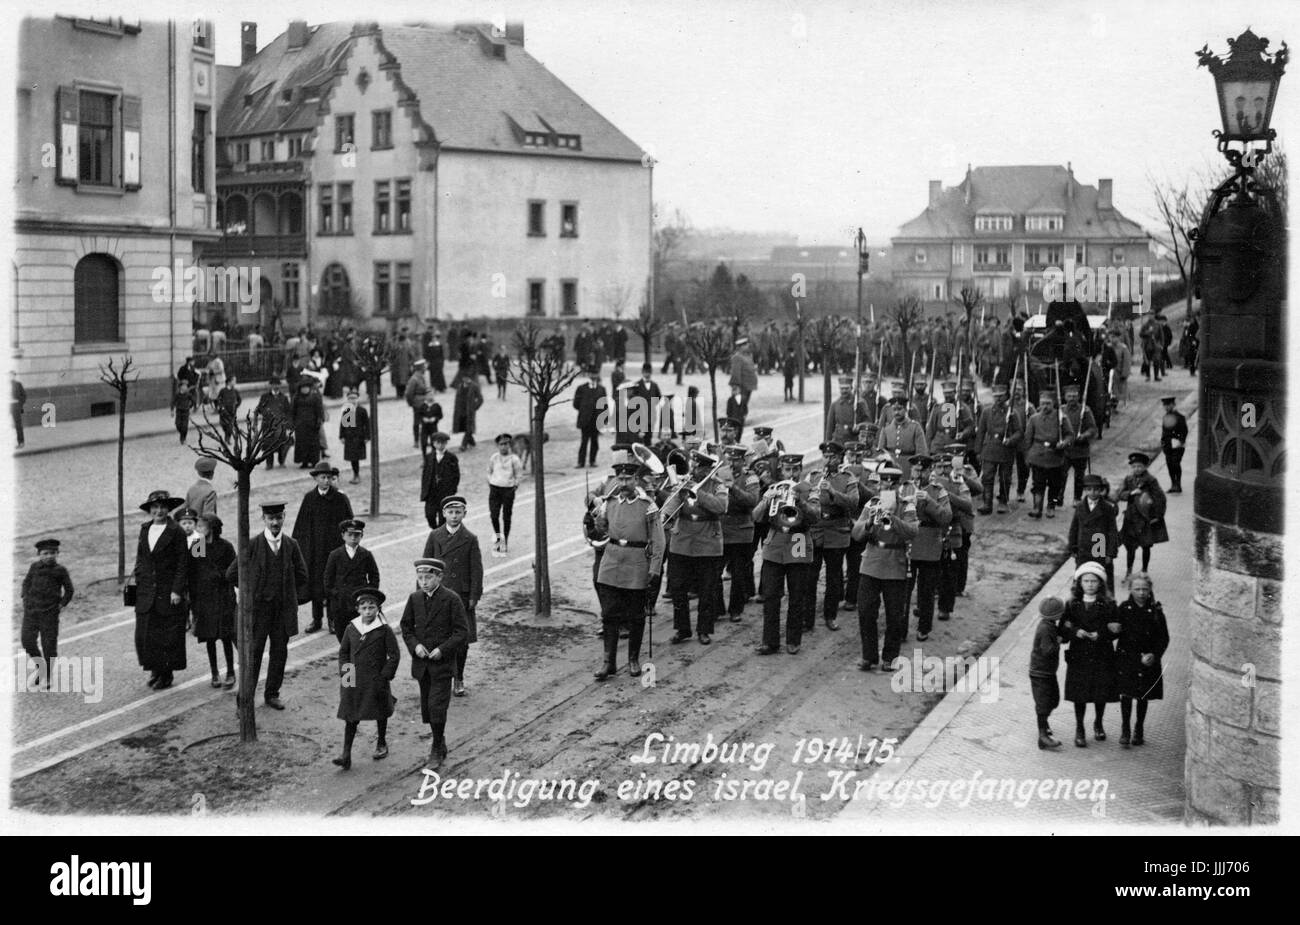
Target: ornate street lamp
1246, 84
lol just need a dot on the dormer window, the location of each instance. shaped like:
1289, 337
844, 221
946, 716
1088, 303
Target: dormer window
572, 142
993, 223
535, 139
919, 256
1044, 222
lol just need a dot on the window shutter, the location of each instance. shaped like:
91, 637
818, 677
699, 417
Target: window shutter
67, 117
131, 142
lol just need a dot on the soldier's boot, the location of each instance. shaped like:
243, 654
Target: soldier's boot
1037, 512
611, 653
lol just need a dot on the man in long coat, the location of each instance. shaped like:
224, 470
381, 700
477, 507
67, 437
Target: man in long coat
435, 629
589, 400
161, 578
743, 372
316, 530
274, 406
439, 479
277, 582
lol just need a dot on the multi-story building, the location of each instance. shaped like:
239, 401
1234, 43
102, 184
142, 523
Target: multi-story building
1002, 227
114, 186
422, 172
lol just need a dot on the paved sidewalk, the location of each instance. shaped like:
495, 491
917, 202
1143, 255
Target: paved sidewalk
965, 739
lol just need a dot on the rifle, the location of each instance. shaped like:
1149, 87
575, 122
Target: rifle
1062, 420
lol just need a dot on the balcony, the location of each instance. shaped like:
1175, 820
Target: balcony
257, 246
992, 268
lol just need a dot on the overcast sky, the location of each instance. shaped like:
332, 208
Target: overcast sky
814, 118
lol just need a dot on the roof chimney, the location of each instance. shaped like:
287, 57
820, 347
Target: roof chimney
968, 184
1069, 182
247, 41
515, 33
936, 190
297, 35
1104, 190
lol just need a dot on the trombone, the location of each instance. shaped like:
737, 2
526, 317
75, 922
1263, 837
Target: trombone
684, 493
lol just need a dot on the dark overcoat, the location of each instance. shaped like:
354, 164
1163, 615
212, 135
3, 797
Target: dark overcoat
367, 666
463, 559
436, 621
316, 528
1144, 517
308, 416
1090, 672
1089, 525
159, 573
212, 596
344, 575
284, 583
438, 480
356, 434
1142, 629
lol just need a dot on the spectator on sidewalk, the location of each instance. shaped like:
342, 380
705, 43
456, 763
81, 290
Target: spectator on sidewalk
1143, 639
274, 406
469, 398
212, 597
160, 579
505, 472
202, 495
216, 374
228, 402
501, 369
430, 419
354, 432
47, 589
590, 401
1144, 516
1090, 626
1044, 659
17, 404
415, 392
183, 404
308, 419
439, 479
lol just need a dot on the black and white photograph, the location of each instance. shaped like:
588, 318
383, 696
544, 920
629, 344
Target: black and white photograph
667, 417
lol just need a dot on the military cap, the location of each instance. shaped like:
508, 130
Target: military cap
955, 448
1067, 391
920, 459
626, 468
700, 456
1169, 400
762, 430
950, 385
999, 390
792, 459
832, 447
729, 422
846, 382
187, 514
205, 466
852, 446
890, 472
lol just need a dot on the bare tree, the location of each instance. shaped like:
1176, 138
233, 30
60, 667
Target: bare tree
906, 315
1271, 176
1179, 210
374, 355
252, 442
825, 331
616, 297
712, 346
119, 380
647, 324
970, 298
541, 370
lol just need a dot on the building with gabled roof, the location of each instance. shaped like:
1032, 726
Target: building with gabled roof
420, 172
1001, 227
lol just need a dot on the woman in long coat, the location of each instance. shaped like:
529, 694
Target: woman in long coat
368, 660
1143, 639
468, 399
161, 579
1144, 517
1090, 626
212, 597
308, 418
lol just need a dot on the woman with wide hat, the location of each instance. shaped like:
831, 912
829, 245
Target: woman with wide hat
212, 597
161, 580
368, 660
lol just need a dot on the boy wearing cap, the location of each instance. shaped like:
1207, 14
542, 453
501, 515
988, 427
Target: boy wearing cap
1044, 659
349, 567
457, 546
202, 496
439, 479
316, 530
435, 628
47, 589
1093, 535
368, 660
505, 470
1173, 442
1144, 516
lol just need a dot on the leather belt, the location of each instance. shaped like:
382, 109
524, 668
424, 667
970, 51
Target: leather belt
631, 544
891, 545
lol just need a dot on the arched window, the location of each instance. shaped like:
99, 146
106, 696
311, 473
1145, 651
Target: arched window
290, 214
97, 299
335, 292
264, 214
236, 217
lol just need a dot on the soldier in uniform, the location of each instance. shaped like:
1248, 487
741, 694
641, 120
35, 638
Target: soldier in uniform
1024, 410
1173, 441
934, 514
845, 414
918, 407
434, 627
885, 526
1045, 441
966, 398
897, 393
837, 497
853, 451
630, 568
695, 549
1080, 429
950, 421
902, 437
997, 434
763, 443
738, 533
951, 476
787, 558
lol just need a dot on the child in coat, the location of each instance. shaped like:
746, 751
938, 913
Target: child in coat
1090, 626
1143, 638
368, 660
1043, 662
47, 589
183, 404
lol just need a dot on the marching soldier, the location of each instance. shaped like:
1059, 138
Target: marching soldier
845, 414
853, 555
871, 397
950, 421
738, 533
1024, 409
628, 577
837, 496
966, 398
897, 393
918, 406
934, 514
961, 483
695, 549
885, 526
1173, 441
1045, 442
787, 556
902, 437
1080, 429
997, 434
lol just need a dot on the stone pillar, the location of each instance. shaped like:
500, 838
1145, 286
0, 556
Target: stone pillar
1234, 709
